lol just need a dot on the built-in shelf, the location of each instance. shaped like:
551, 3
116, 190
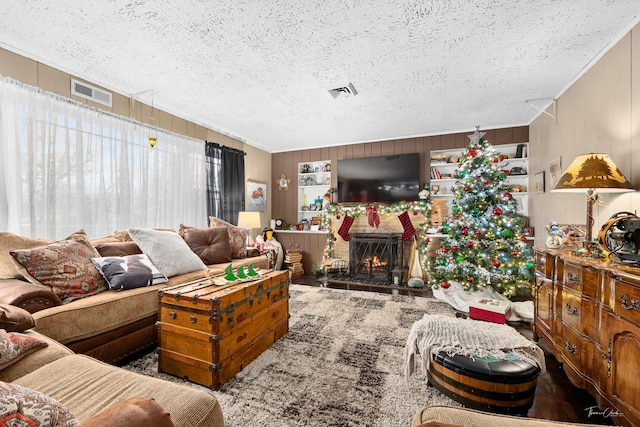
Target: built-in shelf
444, 166
314, 181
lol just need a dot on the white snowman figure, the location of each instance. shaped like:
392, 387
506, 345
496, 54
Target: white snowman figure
554, 240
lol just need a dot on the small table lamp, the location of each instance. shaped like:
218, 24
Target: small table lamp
249, 220
588, 173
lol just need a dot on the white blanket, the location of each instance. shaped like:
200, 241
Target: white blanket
474, 338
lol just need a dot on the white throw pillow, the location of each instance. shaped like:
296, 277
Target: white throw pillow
167, 251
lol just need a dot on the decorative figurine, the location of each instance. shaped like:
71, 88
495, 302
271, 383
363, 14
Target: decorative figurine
424, 193
554, 240
250, 271
228, 274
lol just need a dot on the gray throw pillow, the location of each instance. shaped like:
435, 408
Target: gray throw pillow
167, 251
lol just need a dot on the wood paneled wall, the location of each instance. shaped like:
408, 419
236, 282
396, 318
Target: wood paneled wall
285, 203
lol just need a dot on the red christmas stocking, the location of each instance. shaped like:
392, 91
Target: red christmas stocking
373, 216
344, 228
409, 231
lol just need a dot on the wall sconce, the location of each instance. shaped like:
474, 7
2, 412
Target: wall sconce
152, 141
588, 173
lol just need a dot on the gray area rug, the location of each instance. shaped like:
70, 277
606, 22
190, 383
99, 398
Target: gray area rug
340, 364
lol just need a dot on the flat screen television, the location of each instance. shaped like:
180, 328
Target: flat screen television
382, 179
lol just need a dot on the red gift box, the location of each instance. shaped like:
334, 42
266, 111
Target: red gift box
491, 310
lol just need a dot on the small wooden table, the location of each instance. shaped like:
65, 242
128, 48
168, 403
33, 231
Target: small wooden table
208, 333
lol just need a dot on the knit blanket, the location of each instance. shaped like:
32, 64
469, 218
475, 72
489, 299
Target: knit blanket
435, 333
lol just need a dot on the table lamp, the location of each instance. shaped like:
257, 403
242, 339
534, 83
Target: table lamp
589, 173
249, 220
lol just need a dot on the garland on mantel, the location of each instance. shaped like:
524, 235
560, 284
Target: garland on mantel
360, 209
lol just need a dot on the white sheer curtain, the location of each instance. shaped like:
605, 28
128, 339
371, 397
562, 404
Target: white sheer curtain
65, 166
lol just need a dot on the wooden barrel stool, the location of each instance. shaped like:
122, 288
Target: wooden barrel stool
487, 384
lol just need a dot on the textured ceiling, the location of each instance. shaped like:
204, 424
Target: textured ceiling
260, 71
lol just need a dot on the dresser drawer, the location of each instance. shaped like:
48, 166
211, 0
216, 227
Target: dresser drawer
572, 346
625, 300
580, 313
545, 264
572, 277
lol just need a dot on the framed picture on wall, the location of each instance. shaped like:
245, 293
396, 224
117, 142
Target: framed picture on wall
555, 171
256, 196
538, 182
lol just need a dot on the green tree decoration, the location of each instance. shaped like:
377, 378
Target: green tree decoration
485, 244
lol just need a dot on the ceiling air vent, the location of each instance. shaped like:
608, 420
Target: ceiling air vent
343, 92
84, 90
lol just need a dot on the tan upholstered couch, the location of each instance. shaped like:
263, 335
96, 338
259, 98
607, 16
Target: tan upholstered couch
452, 417
108, 326
86, 387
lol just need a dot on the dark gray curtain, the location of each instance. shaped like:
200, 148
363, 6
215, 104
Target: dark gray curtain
225, 181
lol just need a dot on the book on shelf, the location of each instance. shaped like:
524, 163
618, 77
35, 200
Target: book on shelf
435, 173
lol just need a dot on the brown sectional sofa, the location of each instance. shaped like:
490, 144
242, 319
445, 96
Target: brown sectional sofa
108, 326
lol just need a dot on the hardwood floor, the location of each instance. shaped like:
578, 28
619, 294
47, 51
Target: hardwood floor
555, 399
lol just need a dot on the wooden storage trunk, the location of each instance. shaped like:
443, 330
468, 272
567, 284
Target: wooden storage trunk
208, 333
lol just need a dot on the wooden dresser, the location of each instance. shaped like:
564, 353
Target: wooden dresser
588, 312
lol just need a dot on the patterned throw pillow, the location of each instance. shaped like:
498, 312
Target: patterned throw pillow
64, 265
237, 237
21, 406
129, 272
14, 346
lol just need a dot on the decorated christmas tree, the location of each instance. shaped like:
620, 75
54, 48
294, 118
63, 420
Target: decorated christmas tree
485, 245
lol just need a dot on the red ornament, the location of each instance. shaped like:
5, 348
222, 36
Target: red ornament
445, 250
495, 160
514, 253
487, 181
338, 216
415, 212
508, 196
495, 263
469, 279
497, 211
335, 238
523, 239
445, 285
465, 231
501, 157
455, 248
478, 232
470, 244
472, 153
467, 188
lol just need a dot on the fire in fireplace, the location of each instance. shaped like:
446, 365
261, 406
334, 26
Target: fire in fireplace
372, 256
